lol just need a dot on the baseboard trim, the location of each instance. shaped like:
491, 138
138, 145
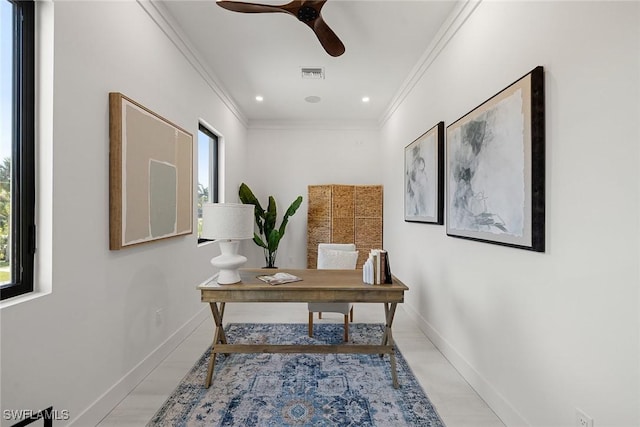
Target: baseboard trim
494, 399
110, 399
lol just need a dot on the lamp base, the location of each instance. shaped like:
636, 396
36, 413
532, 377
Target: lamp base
228, 262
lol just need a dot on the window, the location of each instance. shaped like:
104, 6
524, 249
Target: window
17, 171
207, 172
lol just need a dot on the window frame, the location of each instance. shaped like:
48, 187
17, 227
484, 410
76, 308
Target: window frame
23, 227
214, 167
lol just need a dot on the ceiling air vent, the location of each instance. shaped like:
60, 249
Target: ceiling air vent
313, 73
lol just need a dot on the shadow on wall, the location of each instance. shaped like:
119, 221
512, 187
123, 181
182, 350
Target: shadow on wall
145, 314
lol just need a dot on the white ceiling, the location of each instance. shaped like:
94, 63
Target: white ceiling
262, 54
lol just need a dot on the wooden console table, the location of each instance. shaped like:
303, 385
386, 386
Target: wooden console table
316, 286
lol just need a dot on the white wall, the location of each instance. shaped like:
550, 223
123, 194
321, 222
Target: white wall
283, 162
96, 334
537, 334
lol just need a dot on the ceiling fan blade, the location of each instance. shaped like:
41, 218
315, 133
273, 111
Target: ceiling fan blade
328, 39
236, 6
306, 11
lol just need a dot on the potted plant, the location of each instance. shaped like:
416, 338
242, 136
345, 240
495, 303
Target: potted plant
268, 236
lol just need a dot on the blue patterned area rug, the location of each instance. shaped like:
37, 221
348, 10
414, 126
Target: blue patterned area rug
299, 389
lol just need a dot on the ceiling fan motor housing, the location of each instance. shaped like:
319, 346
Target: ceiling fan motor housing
307, 14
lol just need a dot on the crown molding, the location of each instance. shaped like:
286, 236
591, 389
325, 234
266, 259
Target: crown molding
163, 19
158, 13
449, 28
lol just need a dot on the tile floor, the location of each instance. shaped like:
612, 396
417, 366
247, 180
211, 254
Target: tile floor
455, 401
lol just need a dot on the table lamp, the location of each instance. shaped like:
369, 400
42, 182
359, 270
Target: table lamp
227, 223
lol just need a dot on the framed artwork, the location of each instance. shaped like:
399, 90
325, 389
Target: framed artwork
496, 167
424, 177
150, 175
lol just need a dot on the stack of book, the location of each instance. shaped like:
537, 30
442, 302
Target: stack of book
376, 270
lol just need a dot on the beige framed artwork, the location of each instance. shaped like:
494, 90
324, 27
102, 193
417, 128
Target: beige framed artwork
150, 175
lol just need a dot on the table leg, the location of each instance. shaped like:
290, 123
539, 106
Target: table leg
386, 315
389, 314
219, 337
387, 339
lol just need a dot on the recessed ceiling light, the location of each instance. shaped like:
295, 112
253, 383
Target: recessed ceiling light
366, 99
313, 99
259, 98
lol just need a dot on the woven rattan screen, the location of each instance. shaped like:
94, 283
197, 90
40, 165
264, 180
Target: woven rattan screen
344, 214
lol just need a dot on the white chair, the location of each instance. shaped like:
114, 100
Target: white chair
334, 256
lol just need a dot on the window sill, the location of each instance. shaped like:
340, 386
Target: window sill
20, 299
205, 243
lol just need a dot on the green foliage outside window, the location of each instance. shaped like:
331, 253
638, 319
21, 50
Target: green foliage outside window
5, 209
5, 218
203, 197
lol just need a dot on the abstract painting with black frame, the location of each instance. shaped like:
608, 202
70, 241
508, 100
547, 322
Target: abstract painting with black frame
424, 177
496, 168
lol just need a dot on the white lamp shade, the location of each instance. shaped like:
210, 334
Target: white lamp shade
230, 221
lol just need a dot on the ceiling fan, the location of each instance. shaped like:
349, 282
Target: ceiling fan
307, 11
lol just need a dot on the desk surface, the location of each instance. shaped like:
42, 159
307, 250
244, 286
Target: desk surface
315, 286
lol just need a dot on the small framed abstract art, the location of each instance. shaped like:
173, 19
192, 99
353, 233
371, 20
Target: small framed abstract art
150, 175
496, 168
424, 177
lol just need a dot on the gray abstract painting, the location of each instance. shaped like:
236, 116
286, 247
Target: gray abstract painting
496, 168
420, 197
423, 177
486, 170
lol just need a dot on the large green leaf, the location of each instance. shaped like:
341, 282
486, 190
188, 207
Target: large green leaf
270, 217
258, 241
248, 198
292, 210
274, 240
